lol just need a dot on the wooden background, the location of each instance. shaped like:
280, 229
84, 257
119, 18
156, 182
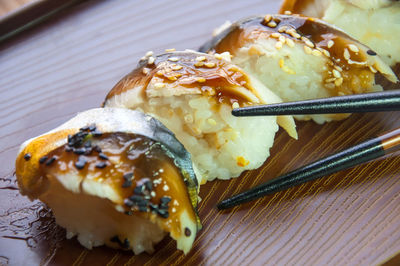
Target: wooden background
50, 73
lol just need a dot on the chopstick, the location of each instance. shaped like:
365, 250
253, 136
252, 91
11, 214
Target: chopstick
31, 15
355, 155
356, 103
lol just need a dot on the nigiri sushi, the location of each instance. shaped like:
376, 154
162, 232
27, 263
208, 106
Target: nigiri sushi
301, 58
115, 177
375, 23
193, 95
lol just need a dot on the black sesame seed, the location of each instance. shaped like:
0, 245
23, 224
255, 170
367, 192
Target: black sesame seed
51, 160
103, 156
27, 156
135, 198
187, 232
85, 128
143, 209
43, 159
80, 164
128, 176
138, 190
153, 206
92, 127
97, 133
128, 202
88, 144
163, 213
97, 148
101, 165
126, 244
88, 151
128, 213
143, 203
79, 151
165, 200
370, 52
149, 185
127, 183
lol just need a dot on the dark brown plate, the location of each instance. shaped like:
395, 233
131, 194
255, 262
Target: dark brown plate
69, 64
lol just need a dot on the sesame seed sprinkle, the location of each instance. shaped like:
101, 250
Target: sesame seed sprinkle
282, 29
346, 54
200, 58
43, 159
170, 50
210, 64
149, 53
201, 80
370, 52
267, 18
282, 39
336, 73
307, 49
290, 42
27, 156
316, 52
272, 24
353, 48
218, 56
278, 45
159, 85
275, 35
330, 43
338, 82
198, 64
287, 12
151, 60
173, 59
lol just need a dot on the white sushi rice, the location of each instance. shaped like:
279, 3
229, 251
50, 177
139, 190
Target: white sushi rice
222, 146
290, 72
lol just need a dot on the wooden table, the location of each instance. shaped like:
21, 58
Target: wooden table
68, 64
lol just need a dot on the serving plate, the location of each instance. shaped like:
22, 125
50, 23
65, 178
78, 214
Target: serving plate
69, 63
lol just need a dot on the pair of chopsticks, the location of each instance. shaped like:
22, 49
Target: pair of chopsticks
363, 152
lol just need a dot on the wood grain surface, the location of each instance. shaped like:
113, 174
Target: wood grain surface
69, 64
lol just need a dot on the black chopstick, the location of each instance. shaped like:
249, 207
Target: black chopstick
363, 152
356, 103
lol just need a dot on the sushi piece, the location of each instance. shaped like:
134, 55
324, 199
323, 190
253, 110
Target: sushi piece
375, 23
301, 58
193, 95
115, 177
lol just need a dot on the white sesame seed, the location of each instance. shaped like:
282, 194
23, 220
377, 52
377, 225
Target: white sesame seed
275, 35
336, 73
330, 80
170, 50
373, 70
157, 181
200, 58
278, 45
307, 42
267, 18
282, 39
151, 60
307, 49
172, 78
152, 194
235, 105
165, 188
272, 24
282, 29
176, 67
198, 64
295, 35
330, 43
218, 56
173, 210
338, 82
353, 48
175, 202
210, 64
201, 80
173, 59
338, 68
211, 121
287, 12
149, 53
290, 42
159, 85
346, 54
316, 52
326, 53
